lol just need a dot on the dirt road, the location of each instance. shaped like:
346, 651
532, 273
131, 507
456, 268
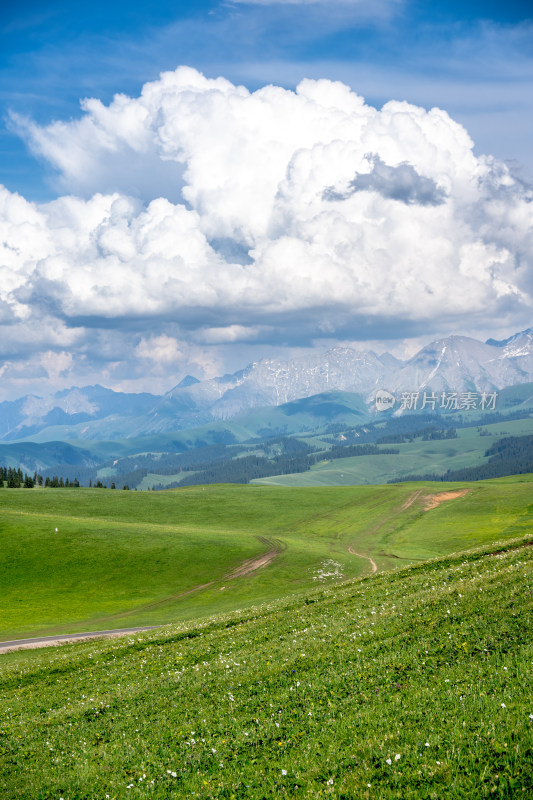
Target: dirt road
47, 641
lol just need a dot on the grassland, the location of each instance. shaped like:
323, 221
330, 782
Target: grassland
124, 559
410, 684
417, 457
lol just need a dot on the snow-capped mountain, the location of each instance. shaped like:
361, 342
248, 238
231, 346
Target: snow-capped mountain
459, 363
454, 363
271, 382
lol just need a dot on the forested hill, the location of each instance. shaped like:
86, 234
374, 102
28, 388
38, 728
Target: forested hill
512, 455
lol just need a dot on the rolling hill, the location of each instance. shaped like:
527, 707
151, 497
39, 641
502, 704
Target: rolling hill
74, 560
410, 683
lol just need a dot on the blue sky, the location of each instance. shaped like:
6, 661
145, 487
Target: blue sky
316, 172
472, 58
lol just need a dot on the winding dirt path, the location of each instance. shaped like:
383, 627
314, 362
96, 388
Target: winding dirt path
411, 499
257, 562
240, 571
427, 501
243, 569
367, 558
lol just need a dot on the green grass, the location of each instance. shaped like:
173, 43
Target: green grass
123, 559
412, 685
417, 457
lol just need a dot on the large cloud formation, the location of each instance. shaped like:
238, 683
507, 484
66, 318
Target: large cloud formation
234, 216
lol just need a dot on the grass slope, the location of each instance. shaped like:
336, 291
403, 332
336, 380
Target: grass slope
418, 457
409, 685
122, 559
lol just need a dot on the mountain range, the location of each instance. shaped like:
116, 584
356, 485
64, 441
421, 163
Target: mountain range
451, 364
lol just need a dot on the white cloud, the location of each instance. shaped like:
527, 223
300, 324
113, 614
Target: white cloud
159, 349
231, 333
57, 364
253, 170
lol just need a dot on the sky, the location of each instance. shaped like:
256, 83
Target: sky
188, 187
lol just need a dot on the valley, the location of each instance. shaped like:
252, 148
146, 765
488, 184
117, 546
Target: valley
278, 693
80, 560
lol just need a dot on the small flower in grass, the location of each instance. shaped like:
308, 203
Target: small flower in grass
283, 771
397, 757
427, 744
389, 761
531, 716
330, 782
503, 705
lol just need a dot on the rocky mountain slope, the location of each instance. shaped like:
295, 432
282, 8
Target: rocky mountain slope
451, 364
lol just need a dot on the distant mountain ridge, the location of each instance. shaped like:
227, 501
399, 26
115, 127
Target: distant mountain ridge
454, 363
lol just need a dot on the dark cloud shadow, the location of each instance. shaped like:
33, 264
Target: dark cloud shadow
402, 183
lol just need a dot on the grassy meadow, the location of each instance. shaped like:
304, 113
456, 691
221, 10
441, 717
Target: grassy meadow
418, 457
407, 684
87, 559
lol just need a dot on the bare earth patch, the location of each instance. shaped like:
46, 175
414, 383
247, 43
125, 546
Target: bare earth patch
434, 500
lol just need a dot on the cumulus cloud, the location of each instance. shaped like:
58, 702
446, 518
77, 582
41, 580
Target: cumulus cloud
236, 234
163, 349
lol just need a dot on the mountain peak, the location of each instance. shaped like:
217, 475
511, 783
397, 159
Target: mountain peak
528, 333
188, 380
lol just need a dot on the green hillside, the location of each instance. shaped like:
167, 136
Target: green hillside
122, 559
295, 444
305, 414
416, 457
412, 685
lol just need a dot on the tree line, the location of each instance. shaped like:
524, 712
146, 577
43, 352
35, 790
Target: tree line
512, 455
14, 478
